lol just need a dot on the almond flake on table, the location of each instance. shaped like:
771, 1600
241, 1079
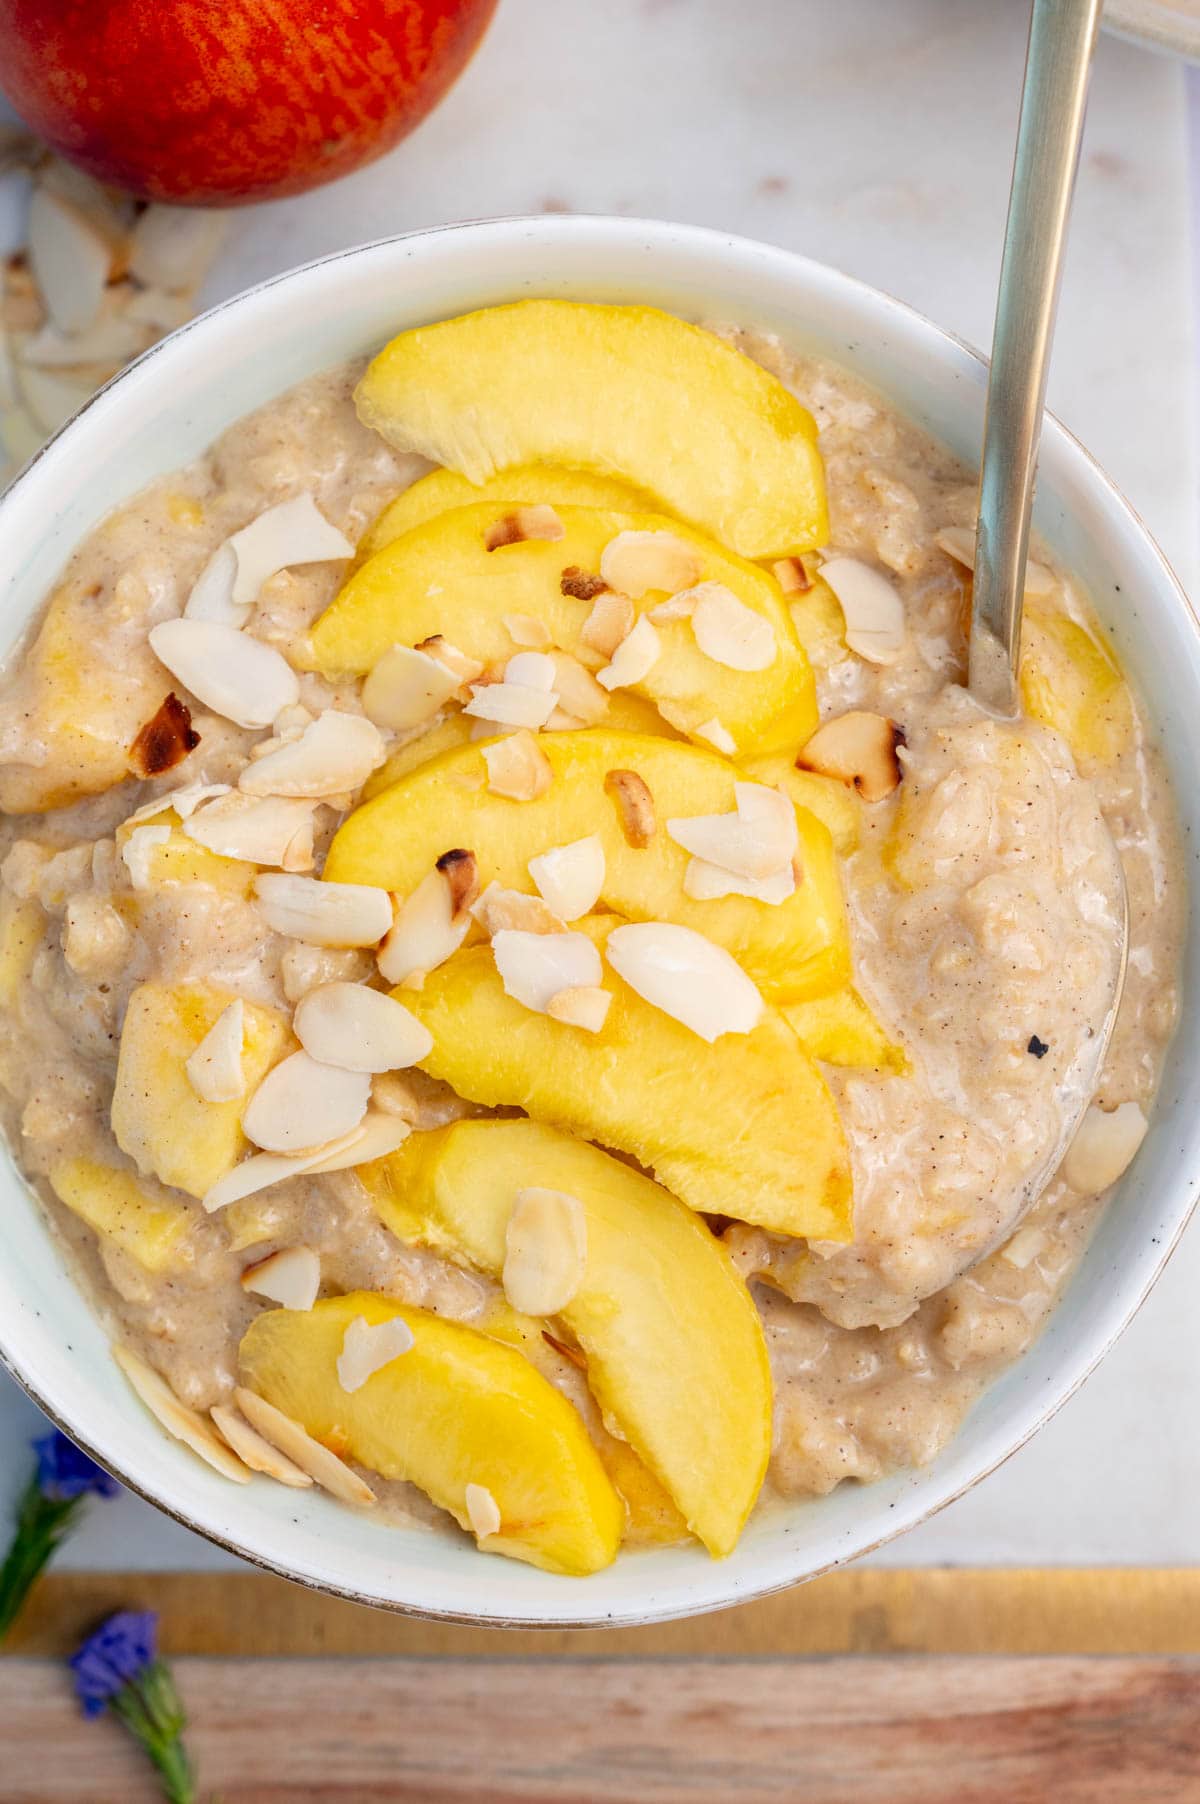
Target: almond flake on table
512, 704
138, 852
301, 1105
872, 608
534, 967
685, 975
483, 1512
369, 1346
758, 839
331, 1473
293, 532
113, 338
729, 632
357, 1029
291, 1277
859, 749
428, 927
214, 1070
256, 1452
634, 658
517, 767
336, 753
71, 260
636, 562
569, 878
232, 673
211, 596
585, 1006
958, 542
324, 914
184, 1424
406, 688
270, 830
172, 247
545, 1250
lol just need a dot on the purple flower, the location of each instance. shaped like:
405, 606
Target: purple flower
65, 1471
120, 1650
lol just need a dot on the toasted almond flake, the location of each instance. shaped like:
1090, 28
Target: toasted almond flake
336, 753
293, 532
498, 909
517, 768
380, 1134
584, 585
685, 975
215, 1068
324, 914
483, 1512
428, 927
236, 676
256, 1452
676, 607
545, 1255
610, 622
536, 522
1024, 1247
757, 840
729, 632
369, 1346
580, 696
184, 1424
165, 740
958, 542
530, 670
256, 829
211, 596
172, 247
302, 1104
634, 658
406, 688
705, 882
634, 563
569, 878
331, 1473
635, 806
718, 736
291, 1277
792, 575
461, 871
185, 801
456, 662
138, 853
262, 1170
874, 612
70, 260
523, 629
1104, 1145
512, 704
357, 1029
534, 967
584, 1006
859, 749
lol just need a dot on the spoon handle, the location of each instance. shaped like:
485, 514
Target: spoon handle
1062, 37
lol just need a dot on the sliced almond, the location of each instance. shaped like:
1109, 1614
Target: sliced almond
336, 753
138, 853
498, 909
610, 621
256, 829
523, 629
758, 839
569, 878
635, 806
530, 670
635, 563
534, 967
357, 1029
52, 396
161, 311
1103, 1148
263, 1170
293, 532
380, 1134
512, 704
331, 1473
873, 611
518, 768
676, 607
172, 247
70, 260
545, 1253
584, 1006
291, 1277
535, 522
236, 676
214, 1070
685, 975
579, 694
165, 740
792, 575
705, 882
256, 1452
1024, 1247
634, 658
112, 338
185, 801
428, 927
324, 914
860, 749
461, 871
406, 688
729, 632
302, 1104
719, 737
457, 662
958, 542
369, 1346
483, 1512
185, 1424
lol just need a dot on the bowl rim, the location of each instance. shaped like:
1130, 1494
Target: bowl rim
714, 243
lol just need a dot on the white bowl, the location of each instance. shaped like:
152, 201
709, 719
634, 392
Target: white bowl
164, 411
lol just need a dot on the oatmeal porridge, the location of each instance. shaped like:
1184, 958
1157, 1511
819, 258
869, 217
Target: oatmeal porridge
533, 995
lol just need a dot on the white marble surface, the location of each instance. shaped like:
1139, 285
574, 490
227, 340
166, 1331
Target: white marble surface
876, 136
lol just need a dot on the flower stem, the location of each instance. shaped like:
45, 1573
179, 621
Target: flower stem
42, 1523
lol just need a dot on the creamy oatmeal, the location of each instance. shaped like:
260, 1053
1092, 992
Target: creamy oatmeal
145, 914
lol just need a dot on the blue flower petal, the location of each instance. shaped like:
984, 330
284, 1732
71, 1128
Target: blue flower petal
65, 1471
118, 1651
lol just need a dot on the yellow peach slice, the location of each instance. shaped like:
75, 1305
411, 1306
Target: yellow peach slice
520, 486
180, 860
1071, 681
122, 1210
841, 1029
458, 1411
